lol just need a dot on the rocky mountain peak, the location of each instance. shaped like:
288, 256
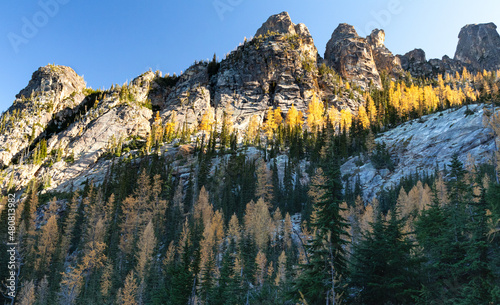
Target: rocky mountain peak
58, 80
384, 59
376, 38
479, 46
351, 56
345, 30
280, 23
416, 55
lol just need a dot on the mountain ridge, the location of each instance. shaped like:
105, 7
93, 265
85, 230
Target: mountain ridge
279, 68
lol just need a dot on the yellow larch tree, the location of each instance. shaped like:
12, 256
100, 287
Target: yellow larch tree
334, 117
47, 244
157, 129
234, 229
27, 294
315, 192
281, 269
252, 129
260, 272
294, 118
71, 285
264, 187
270, 125
146, 245
128, 294
315, 114
371, 109
106, 279
207, 121
171, 126
363, 117
258, 221
345, 119
278, 119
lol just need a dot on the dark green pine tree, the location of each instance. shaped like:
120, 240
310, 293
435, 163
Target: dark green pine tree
288, 186
322, 278
277, 198
229, 291
454, 241
432, 233
384, 269
480, 278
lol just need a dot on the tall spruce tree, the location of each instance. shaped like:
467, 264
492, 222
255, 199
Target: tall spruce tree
384, 269
322, 277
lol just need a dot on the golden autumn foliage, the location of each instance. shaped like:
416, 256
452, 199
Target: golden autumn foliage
258, 222
234, 229
294, 118
147, 243
334, 117
345, 119
252, 129
363, 117
264, 187
278, 119
315, 115
27, 294
371, 109
260, 272
270, 125
47, 244
128, 294
207, 121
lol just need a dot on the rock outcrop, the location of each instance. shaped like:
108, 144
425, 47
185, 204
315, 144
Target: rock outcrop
53, 93
279, 23
416, 63
385, 61
351, 56
114, 120
424, 145
277, 68
479, 46
478, 49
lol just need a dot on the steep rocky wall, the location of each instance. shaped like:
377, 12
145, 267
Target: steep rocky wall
479, 46
53, 92
351, 56
424, 145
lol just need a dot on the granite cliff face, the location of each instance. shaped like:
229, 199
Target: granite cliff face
385, 61
422, 145
77, 123
279, 67
53, 93
415, 62
479, 46
351, 56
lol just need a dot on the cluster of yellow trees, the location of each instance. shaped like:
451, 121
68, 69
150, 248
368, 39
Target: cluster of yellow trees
404, 98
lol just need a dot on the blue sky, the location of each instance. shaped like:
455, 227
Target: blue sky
113, 41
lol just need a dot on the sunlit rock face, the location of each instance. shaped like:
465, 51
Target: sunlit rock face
351, 56
479, 46
424, 145
384, 59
